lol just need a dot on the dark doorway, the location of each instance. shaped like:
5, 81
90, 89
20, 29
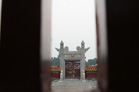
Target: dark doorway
72, 69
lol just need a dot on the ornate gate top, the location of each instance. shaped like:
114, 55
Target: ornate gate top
72, 55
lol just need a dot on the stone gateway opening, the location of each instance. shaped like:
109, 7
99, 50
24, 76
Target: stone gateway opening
72, 63
72, 69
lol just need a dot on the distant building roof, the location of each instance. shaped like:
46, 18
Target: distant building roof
91, 68
55, 68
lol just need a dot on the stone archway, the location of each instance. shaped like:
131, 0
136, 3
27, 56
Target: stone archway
72, 56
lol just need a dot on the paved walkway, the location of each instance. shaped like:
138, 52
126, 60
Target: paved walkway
73, 84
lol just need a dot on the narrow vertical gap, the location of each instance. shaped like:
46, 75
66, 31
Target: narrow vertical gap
0, 16
74, 49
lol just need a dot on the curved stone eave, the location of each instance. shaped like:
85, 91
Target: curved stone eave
72, 52
73, 59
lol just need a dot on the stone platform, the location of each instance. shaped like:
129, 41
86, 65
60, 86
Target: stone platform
73, 84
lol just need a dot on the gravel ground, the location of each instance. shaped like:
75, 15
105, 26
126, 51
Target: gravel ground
73, 84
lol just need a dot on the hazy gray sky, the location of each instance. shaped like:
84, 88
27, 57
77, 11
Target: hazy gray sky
72, 22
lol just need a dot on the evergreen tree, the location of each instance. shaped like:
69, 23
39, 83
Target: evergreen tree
92, 61
56, 61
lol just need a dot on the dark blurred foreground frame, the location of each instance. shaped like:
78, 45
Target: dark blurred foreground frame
20, 47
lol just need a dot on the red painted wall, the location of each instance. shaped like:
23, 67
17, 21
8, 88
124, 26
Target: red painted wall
55, 75
90, 75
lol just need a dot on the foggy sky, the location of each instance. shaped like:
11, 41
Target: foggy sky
72, 22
